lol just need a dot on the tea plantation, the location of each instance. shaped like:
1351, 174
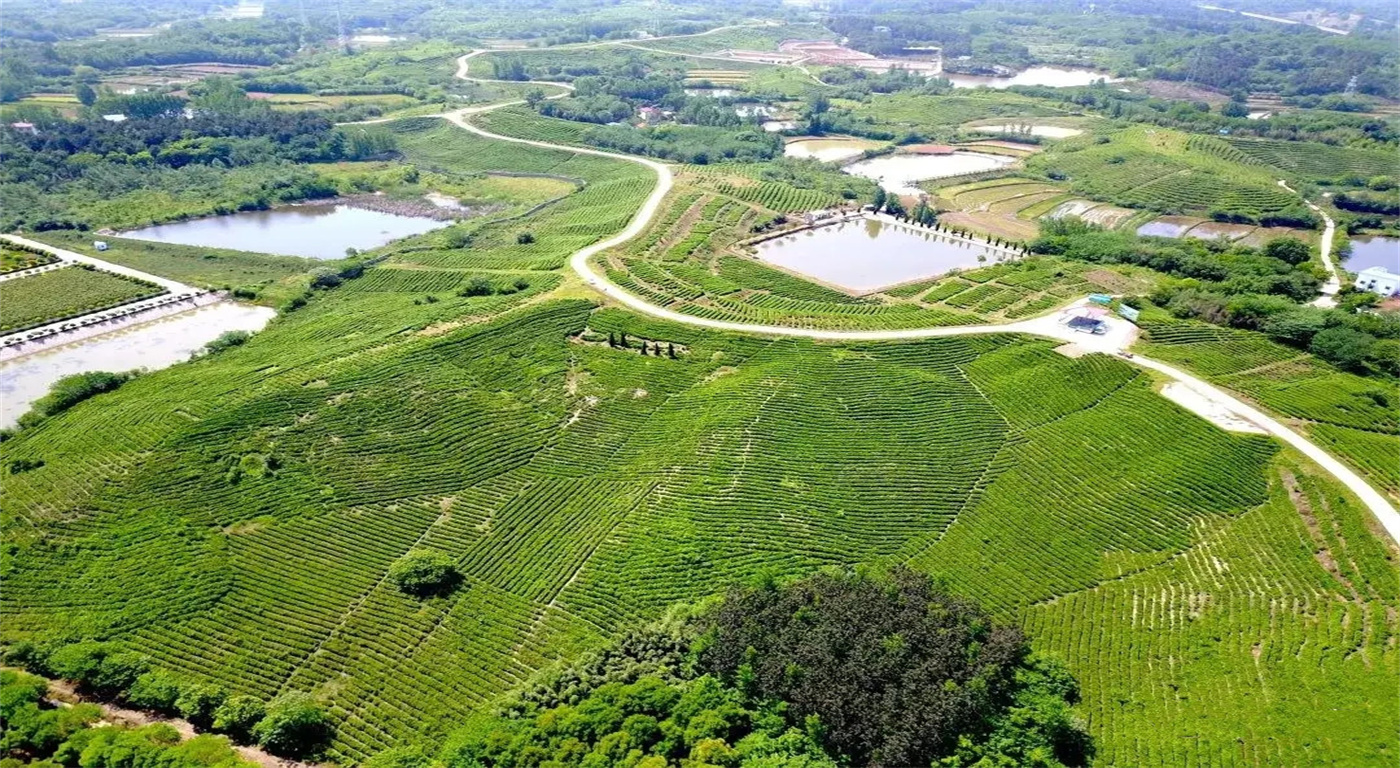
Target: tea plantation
237, 518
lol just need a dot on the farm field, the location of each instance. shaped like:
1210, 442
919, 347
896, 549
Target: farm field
584, 488
242, 519
1165, 171
14, 260
34, 300
209, 268
1351, 416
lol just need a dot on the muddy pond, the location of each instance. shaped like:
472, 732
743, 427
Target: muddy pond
318, 231
900, 173
151, 345
865, 255
1373, 251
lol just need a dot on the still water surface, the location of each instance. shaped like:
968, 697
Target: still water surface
901, 173
865, 255
320, 231
1055, 77
1373, 251
154, 345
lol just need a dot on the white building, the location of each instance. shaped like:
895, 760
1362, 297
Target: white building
1378, 280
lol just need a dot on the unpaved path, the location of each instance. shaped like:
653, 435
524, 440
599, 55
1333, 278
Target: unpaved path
1328, 299
1120, 336
61, 693
67, 255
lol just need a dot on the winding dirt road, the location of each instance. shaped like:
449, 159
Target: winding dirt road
1120, 336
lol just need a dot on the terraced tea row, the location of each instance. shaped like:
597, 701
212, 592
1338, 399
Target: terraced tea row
33, 300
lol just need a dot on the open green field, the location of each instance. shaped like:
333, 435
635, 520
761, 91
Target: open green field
34, 300
235, 517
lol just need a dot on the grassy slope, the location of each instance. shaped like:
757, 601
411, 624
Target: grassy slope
36, 299
583, 488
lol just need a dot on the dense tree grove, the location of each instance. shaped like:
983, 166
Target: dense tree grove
687, 143
1174, 41
171, 144
836, 669
1227, 269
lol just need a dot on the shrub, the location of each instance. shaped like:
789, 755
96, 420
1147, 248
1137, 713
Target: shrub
425, 574
477, 286
294, 726
99, 668
1289, 249
227, 340
237, 717
198, 704
325, 278
525, 238
157, 690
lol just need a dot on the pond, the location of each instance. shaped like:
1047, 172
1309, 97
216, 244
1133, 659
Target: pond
827, 150
900, 173
1373, 251
1167, 226
864, 255
154, 345
1045, 131
1056, 77
318, 231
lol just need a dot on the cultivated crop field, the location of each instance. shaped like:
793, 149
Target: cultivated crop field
585, 488
33, 300
235, 517
13, 260
1353, 417
1165, 171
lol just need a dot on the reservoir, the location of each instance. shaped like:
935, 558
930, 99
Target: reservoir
828, 150
153, 345
318, 231
900, 173
1055, 77
1373, 251
865, 255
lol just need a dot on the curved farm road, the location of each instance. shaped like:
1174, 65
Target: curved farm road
1121, 333
1324, 249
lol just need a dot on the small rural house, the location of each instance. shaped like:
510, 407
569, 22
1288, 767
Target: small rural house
1378, 280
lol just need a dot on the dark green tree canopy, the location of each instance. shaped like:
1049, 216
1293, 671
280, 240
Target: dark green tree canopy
425, 574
